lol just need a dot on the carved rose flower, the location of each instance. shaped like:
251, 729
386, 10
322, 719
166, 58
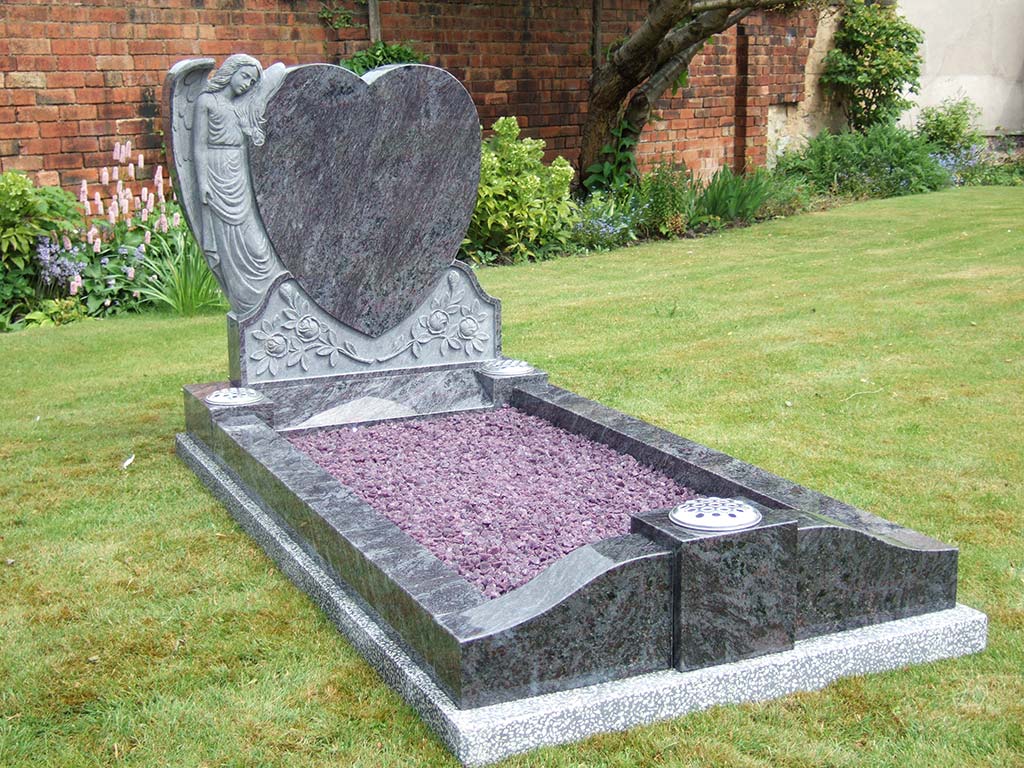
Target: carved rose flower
307, 328
276, 345
437, 322
468, 328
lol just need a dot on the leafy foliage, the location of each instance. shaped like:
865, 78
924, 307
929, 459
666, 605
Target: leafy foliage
334, 15
951, 127
523, 210
874, 61
59, 311
27, 212
885, 161
606, 221
617, 168
733, 198
665, 201
179, 276
379, 54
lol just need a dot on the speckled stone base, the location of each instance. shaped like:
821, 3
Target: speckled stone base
488, 734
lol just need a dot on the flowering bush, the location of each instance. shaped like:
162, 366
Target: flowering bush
604, 223
104, 266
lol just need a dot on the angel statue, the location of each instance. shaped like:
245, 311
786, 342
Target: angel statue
212, 123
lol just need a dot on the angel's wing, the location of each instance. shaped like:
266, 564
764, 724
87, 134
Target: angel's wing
184, 83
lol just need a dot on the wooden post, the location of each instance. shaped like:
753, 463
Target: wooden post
374, 12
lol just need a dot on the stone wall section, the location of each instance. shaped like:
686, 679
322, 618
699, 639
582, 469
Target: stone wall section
77, 77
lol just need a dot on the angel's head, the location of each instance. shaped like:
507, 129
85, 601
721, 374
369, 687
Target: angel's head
239, 72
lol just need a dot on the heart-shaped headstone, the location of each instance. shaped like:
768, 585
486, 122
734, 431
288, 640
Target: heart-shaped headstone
366, 185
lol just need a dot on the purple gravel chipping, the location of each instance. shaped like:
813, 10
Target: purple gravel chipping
496, 495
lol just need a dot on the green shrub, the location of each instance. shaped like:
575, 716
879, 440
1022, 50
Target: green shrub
523, 210
951, 127
733, 199
380, 54
885, 161
787, 196
875, 60
59, 311
993, 173
664, 201
27, 212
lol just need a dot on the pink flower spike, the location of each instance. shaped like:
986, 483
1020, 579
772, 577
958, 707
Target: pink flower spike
144, 193
105, 175
126, 152
117, 151
120, 184
140, 161
83, 192
96, 246
130, 274
88, 208
111, 216
145, 217
135, 294
150, 203
67, 243
114, 210
137, 202
176, 220
149, 236
131, 172
114, 173
99, 206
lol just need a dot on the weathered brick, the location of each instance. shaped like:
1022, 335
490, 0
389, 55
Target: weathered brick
25, 80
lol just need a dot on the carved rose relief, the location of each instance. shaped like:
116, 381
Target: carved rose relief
294, 336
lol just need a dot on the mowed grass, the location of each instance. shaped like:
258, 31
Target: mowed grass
874, 352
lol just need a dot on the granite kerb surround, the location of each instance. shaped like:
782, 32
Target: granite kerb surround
481, 651
571, 626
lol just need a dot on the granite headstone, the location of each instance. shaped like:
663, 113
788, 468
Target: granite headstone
331, 208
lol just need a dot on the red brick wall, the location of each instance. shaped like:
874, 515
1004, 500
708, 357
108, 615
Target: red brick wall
76, 77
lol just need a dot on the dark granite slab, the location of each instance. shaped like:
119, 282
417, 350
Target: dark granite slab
366, 186
735, 593
887, 572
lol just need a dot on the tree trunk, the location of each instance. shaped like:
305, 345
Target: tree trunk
607, 92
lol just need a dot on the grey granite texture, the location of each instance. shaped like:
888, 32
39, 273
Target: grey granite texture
848, 579
919, 572
601, 613
213, 121
355, 399
367, 185
289, 337
486, 735
735, 593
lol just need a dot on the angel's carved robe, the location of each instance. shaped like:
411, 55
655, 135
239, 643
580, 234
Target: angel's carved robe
232, 233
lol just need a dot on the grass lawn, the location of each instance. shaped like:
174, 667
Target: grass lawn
874, 352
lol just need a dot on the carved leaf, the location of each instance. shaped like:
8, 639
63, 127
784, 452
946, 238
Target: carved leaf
333, 361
